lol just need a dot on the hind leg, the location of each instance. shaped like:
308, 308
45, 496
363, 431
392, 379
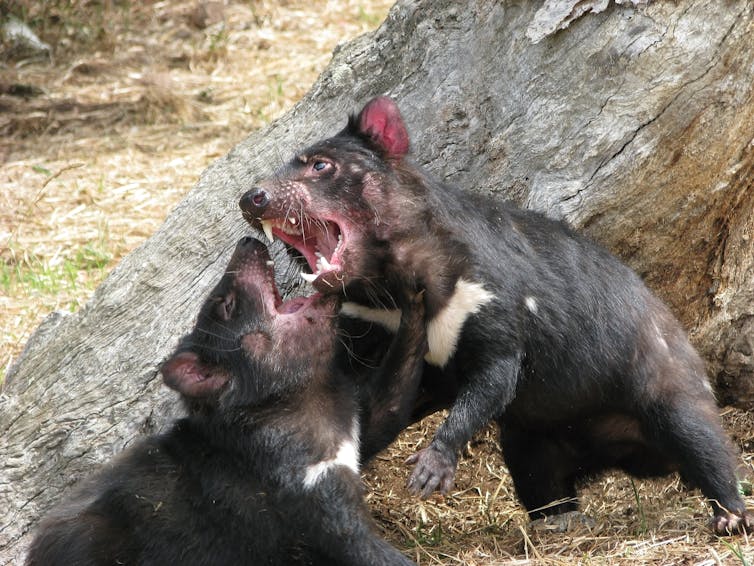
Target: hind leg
680, 417
687, 428
544, 470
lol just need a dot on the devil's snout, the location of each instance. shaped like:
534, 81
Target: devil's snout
254, 202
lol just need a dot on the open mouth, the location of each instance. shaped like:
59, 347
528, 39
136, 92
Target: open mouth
253, 273
321, 242
274, 303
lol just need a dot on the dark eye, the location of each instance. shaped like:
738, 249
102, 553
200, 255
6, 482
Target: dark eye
226, 306
320, 165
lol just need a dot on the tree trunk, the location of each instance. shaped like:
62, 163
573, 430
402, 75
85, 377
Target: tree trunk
634, 123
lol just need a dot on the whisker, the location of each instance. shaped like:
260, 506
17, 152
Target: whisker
353, 356
210, 348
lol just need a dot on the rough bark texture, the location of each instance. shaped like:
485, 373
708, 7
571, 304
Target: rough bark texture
635, 123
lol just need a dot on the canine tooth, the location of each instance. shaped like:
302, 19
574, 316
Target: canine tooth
325, 264
310, 277
293, 220
270, 263
267, 229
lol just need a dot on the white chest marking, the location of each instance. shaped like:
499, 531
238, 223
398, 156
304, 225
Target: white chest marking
347, 455
444, 329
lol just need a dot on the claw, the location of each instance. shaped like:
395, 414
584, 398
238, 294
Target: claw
728, 523
433, 471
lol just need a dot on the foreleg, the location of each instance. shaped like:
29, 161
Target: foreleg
484, 397
390, 393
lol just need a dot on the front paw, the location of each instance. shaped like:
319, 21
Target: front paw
434, 469
728, 523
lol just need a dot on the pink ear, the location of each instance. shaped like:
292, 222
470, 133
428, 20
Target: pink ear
381, 120
185, 373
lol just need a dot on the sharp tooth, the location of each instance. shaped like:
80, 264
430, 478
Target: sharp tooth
267, 229
270, 263
293, 220
310, 277
325, 264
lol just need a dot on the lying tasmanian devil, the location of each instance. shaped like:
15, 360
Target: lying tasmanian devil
544, 331
264, 470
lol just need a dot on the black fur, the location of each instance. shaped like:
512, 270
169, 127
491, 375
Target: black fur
226, 485
582, 367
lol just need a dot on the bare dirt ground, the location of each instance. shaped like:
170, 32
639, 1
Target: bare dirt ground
99, 141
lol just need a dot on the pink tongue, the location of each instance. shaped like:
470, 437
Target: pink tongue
327, 240
292, 305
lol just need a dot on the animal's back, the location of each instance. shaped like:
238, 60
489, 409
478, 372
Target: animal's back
579, 315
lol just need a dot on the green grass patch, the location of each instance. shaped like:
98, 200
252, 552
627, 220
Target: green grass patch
37, 284
42, 170
27, 274
738, 552
643, 526
428, 535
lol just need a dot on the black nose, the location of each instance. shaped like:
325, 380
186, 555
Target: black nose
250, 245
254, 201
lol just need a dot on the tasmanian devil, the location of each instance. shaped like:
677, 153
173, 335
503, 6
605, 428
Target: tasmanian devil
264, 470
540, 329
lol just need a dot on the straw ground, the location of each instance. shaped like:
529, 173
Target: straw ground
111, 131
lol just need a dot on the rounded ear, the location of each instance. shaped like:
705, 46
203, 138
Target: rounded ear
188, 375
381, 121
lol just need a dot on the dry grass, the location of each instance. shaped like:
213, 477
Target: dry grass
480, 523
137, 101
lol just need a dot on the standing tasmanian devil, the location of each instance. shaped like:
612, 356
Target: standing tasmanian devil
542, 330
264, 470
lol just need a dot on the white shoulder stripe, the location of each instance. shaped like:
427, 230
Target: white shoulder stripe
444, 329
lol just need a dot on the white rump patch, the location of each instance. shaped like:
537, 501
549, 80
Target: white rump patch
347, 455
445, 328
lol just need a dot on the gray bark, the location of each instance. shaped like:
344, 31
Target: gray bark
635, 124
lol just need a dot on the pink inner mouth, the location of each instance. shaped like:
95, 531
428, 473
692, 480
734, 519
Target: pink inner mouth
254, 274
277, 305
319, 241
